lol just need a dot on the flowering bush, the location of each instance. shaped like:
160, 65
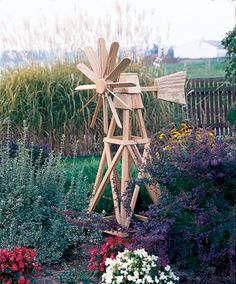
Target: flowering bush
18, 266
193, 226
136, 267
180, 136
110, 249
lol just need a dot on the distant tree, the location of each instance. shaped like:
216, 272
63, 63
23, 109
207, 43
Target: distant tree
229, 42
170, 52
155, 49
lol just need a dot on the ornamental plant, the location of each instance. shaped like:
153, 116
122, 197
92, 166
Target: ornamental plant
136, 267
110, 249
29, 188
180, 136
18, 266
193, 225
229, 43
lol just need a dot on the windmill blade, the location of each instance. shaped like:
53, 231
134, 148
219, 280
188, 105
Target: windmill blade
111, 60
119, 99
87, 72
118, 69
105, 114
102, 54
85, 87
121, 84
88, 102
114, 112
93, 60
95, 115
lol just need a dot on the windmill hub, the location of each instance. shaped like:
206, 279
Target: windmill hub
101, 86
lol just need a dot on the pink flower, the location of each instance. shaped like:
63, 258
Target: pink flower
21, 280
14, 267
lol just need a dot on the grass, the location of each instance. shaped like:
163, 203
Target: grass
198, 68
89, 167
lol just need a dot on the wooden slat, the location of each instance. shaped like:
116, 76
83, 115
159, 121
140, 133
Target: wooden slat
221, 114
216, 103
207, 109
111, 59
114, 74
96, 112
105, 115
105, 179
126, 165
87, 72
100, 171
212, 109
93, 60
102, 54
88, 102
85, 87
141, 124
114, 183
114, 112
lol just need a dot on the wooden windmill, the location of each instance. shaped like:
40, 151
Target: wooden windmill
126, 100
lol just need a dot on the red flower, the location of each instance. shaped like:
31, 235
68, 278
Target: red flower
21, 264
19, 257
33, 253
14, 267
112, 256
93, 251
20, 260
21, 280
110, 249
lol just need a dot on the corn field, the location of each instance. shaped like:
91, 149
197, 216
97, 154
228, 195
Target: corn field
44, 97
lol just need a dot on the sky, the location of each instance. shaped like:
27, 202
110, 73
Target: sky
68, 24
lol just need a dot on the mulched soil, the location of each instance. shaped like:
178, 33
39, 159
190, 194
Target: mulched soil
73, 270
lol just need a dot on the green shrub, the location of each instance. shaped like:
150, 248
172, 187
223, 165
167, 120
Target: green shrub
229, 42
231, 115
29, 190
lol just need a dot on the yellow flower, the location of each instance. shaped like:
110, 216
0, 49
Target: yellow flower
166, 148
162, 136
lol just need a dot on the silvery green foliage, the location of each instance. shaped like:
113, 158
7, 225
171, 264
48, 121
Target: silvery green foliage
28, 192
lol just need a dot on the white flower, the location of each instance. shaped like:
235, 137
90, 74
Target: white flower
108, 261
167, 268
162, 276
136, 267
119, 279
149, 279
131, 278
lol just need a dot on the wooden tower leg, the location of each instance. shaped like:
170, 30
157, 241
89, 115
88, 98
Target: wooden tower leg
126, 165
115, 185
102, 186
114, 180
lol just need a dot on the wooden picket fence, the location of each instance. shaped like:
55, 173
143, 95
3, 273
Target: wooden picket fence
208, 101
